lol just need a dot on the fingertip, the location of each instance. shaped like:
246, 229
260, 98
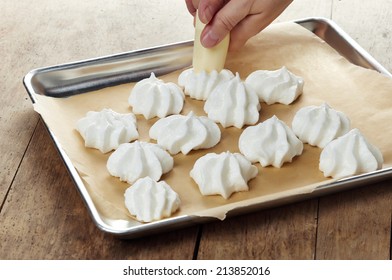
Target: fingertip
190, 6
205, 14
209, 38
208, 8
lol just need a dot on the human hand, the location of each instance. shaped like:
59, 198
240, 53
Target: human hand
242, 18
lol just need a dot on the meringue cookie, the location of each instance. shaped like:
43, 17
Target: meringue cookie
271, 142
319, 125
149, 200
106, 130
152, 97
232, 103
200, 85
185, 133
279, 86
132, 161
223, 173
348, 155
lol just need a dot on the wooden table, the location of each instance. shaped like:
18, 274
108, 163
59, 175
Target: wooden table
42, 215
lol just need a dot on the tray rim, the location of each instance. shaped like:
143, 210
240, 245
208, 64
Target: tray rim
184, 220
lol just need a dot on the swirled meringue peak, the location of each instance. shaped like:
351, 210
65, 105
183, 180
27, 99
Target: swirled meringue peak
151, 97
223, 173
149, 200
233, 103
200, 85
350, 154
132, 161
107, 129
180, 133
271, 142
279, 86
319, 125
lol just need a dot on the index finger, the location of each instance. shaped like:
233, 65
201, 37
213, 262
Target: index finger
208, 8
224, 21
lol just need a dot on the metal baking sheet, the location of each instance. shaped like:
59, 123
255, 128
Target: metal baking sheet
93, 74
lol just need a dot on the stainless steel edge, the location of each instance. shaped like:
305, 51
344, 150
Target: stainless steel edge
338, 39
87, 75
92, 74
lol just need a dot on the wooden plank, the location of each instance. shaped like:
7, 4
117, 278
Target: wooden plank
287, 232
283, 233
16, 123
44, 218
357, 224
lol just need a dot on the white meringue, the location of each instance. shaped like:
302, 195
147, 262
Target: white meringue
348, 155
271, 142
232, 103
279, 86
200, 85
319, 125
152, 97
106, 130
223, 173
149, 201
132, 161
185, 133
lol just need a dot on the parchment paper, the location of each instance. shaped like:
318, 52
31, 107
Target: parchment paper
365, 96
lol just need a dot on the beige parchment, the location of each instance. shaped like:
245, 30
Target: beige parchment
365, 96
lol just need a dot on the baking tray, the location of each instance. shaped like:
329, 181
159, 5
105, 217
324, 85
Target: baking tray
93, 74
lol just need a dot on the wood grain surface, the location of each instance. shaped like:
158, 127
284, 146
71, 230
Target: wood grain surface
41, 213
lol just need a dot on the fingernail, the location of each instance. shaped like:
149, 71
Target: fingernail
209, 39
205, 16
